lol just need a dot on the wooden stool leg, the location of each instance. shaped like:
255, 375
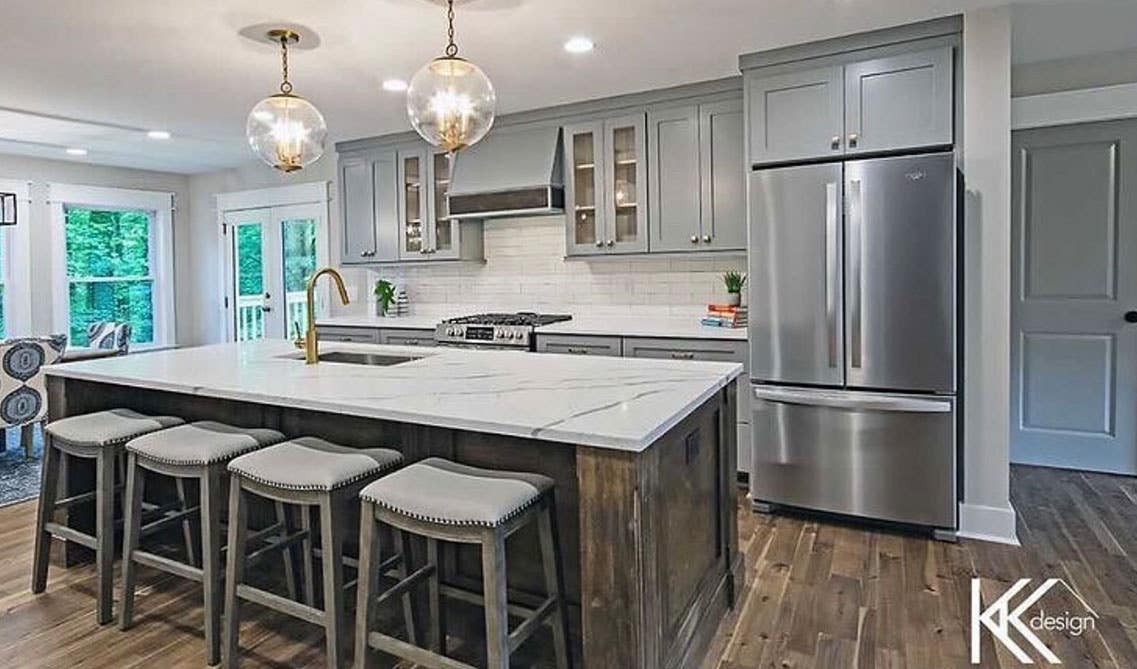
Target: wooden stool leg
289, 553
306, 557
331, 545
104, 533
27, 439
404, 570
437, 639
211, 494
554, 580
497, 616
49, 488
187, 524
132, 525
234, 573
370, 557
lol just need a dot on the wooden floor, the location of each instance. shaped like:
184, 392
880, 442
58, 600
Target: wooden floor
819, 594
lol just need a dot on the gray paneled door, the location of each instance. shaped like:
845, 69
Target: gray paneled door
1074, 280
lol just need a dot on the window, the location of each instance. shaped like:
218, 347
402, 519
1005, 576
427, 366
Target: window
114, 248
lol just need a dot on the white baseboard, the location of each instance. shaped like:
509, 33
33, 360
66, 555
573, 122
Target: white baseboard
988, 523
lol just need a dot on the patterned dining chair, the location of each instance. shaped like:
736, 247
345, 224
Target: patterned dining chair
23, 393
110, 335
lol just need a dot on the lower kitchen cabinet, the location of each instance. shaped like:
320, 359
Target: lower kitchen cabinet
348, 334
406, 337
579, 345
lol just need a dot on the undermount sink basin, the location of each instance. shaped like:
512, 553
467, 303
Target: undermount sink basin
353, 358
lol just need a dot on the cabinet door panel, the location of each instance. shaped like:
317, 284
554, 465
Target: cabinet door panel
673, 167
625, 190
584, 187
406, 337
723, 169
412, 204
579, 345
899, 102
357, 210
442, 237
385, 179
795, 116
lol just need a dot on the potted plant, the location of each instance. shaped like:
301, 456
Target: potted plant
384, 296
734, 282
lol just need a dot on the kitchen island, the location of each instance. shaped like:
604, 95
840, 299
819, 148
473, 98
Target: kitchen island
642, 452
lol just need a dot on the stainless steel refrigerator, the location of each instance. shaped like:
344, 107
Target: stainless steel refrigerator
853, 338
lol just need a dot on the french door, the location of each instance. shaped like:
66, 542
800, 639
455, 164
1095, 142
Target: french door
271, 254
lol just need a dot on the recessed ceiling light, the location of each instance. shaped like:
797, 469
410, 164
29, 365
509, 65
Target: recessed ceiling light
158, 134
579, 45
77, 152
394, 85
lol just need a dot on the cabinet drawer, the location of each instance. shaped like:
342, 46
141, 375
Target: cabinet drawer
710, 350
400, 337
579, 345
353, 335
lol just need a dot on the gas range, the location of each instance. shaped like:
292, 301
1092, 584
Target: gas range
499, 331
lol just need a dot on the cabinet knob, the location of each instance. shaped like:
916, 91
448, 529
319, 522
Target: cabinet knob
706, 239
599, 243
611, 242
836, 142
694, 239
853, 139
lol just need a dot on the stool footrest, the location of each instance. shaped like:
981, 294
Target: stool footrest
478, 599
406, 584
275, 544
65, 532
532, 623
170, 518
168, 565
282, 604
407, 651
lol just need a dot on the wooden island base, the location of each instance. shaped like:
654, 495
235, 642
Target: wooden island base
650, 539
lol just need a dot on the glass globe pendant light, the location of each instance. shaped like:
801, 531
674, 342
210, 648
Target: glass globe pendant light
285, 130
450, 100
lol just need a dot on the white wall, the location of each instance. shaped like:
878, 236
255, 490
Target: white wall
986, 510
40, 172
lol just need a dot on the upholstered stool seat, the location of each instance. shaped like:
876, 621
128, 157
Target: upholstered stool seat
313, 464
98, 436
448, 493
444, 501
306, 472
107, 428
197, 451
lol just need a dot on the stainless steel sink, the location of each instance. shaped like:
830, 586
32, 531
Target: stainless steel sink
372, 359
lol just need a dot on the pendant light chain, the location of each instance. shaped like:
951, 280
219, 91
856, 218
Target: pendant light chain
285, 85
451, 47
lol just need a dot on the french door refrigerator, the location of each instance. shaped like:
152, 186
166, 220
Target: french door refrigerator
853, 332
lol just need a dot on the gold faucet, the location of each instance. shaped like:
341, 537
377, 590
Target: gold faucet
311, 344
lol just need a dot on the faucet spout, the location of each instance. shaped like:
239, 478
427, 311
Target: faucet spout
311, 344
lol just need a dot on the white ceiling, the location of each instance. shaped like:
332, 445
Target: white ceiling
1057, 30
181, 66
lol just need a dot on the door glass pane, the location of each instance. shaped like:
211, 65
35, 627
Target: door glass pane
442, 241
249, 271
584, 187
298, 242
412, 191
625, 161
108, 271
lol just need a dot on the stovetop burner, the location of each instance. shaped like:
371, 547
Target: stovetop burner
522, 318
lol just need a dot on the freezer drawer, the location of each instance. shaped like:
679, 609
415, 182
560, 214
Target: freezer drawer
888, 457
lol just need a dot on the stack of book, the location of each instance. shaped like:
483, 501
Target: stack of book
725, 316
402, 306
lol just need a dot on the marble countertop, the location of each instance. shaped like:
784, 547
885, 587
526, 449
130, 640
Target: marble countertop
612, 326
617, 403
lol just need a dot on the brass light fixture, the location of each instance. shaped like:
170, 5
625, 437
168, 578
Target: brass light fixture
285, 130
450, 100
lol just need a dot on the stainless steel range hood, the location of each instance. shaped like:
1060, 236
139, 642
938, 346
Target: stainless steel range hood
513, 172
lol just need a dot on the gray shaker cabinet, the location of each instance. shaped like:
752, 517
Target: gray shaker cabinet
899, 102
722, 166
584, 188
368, 207
606, 186
795, 116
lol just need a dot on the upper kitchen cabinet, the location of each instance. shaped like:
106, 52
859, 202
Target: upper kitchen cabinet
697, 177
606, 186
413, 197
368, 207
874, 93
795, 116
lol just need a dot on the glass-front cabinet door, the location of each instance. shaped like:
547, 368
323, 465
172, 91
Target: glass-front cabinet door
412, 204
442, 237
626, 184
585, 188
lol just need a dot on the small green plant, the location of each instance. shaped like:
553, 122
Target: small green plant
384, 294
734, 281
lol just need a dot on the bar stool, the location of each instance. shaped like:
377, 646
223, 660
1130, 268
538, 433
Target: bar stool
446, 501
306, 472
198, 451
100, 437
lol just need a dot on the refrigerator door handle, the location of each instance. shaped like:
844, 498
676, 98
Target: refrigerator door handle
852, 400
856, 223
832, 248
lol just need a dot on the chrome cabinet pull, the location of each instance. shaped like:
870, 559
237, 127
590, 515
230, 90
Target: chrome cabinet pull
577, 351
835, 142
853, 139
682, 355
611, 242
694, 239
599, 243
706, 239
